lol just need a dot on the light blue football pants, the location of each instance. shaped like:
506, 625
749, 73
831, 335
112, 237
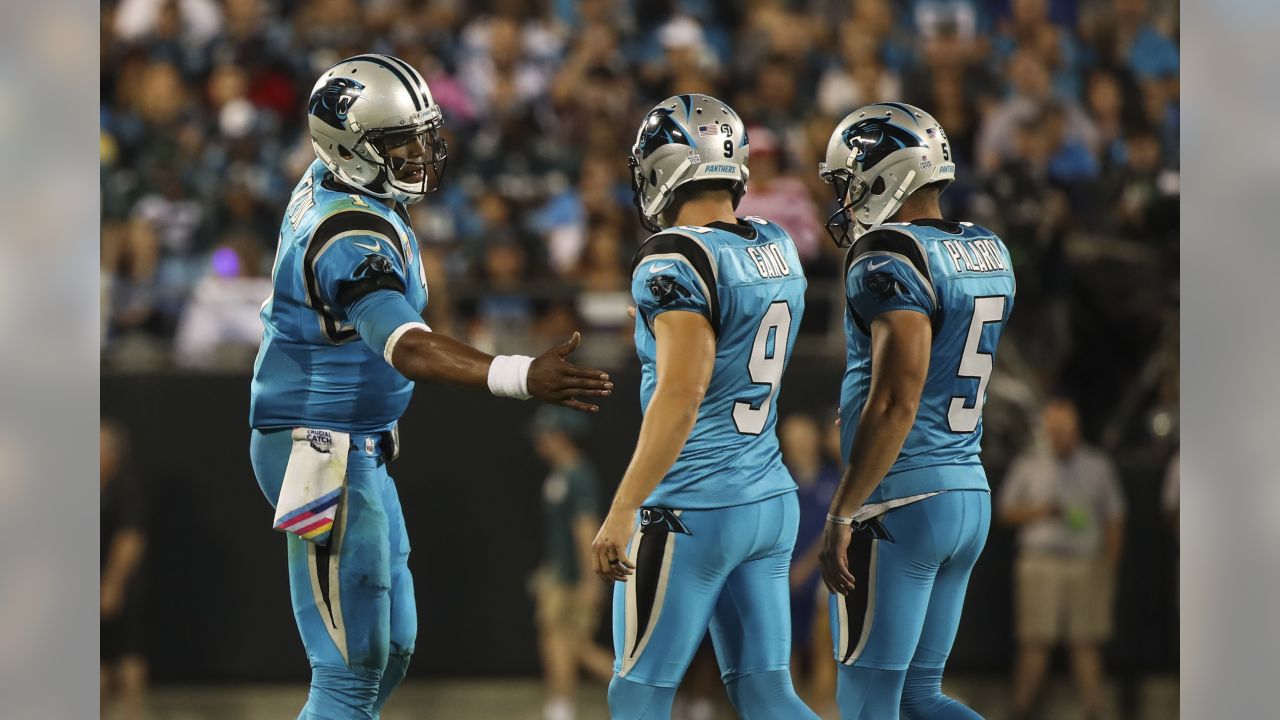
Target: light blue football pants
727, 569
894, 631
353, 600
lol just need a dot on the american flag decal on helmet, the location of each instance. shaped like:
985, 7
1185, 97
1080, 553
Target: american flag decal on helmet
705, 130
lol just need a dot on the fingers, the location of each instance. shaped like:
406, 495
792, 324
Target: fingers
620, 568
610, 562
844, 577
564, 349
631, 311
577, 382
580, 372
579, 405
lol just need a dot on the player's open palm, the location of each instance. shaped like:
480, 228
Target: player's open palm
553, 379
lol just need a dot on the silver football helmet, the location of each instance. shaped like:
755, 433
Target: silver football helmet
877, 156
683, 139
375, 125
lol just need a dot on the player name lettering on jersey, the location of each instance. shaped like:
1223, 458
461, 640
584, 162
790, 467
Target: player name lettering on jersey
769, 261
982, 255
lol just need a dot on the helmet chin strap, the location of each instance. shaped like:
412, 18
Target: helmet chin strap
651, 207
890, 207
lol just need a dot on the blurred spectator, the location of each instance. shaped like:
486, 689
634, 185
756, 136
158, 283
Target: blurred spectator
780, 196
190, 21
1068, 507
1031, 94
505, 312
858, 77
121, 555
687, 63
222, 326
952, 83
568, 593
501, 66
817, 476
1145, 193
1028, 26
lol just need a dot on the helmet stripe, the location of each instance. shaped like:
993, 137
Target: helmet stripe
417, 76
381, 62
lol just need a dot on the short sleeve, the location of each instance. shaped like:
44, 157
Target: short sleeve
585, 494
888, 271
1113, 495
673, 272
351, 255
1014, 489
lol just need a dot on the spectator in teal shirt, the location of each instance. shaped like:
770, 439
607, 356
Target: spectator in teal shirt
568, 594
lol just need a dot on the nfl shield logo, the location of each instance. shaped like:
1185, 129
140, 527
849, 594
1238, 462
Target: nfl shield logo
368, 446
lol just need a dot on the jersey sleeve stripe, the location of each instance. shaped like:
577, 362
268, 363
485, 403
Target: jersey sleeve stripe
398, 333
672, 246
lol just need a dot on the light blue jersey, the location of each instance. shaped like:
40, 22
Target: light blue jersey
747, 280
960, 275
340, 251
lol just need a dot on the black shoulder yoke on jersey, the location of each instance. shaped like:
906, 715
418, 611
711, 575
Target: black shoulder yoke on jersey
374, 273
898, 241
671, 243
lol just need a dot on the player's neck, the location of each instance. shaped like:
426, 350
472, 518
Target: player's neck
701, 212
918, 209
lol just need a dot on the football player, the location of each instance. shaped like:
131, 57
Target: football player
343, 345
701, 529
927, 301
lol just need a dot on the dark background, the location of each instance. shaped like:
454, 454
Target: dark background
217, 591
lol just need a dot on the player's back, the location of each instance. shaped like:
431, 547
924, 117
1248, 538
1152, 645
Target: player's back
961, 276
747, 279
312, 369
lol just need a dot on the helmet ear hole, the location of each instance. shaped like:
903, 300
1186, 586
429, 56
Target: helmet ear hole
653, 177
345, 153
878, 186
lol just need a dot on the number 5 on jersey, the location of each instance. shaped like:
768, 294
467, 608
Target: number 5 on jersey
768, 358
962, 416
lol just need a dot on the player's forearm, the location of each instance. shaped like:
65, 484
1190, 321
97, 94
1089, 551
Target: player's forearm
882, 429
667, 423
432, 357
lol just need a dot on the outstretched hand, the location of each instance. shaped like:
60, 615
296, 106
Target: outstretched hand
553, 379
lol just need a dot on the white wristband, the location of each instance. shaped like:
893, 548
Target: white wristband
509, 376
837, 520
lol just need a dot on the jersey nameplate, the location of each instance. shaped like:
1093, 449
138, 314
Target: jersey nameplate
976, 255
769, 261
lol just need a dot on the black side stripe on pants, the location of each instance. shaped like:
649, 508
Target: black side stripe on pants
859, 603
322, 577
653, 547
648, 575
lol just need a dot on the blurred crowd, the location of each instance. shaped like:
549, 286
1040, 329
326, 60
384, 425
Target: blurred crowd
1063, 116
